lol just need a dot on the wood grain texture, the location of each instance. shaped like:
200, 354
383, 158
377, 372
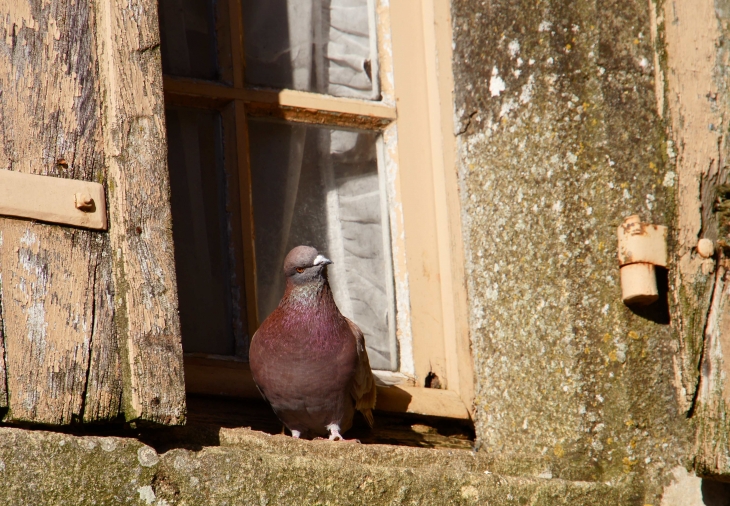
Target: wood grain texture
693, 40
49, 115
3, 376
139, 204
48, 294
695, 94
103, 399
711, 412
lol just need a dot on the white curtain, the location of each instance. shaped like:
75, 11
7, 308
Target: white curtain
324, 189
325, 46
332, 200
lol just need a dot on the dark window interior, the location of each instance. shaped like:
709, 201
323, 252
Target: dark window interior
201, 230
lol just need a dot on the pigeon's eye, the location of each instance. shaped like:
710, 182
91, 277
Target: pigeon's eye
300, 269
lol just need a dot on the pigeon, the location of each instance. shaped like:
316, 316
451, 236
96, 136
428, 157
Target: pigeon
309, 361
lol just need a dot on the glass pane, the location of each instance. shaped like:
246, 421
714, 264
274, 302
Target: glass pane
200, 227
325, 46
187, 32
321, 187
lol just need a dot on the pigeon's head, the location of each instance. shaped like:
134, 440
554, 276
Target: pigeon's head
304, 264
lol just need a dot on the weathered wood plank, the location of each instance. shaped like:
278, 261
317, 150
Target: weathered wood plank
48, 317
49, 115
139, 205
713, 401
3, 376
695, 34
104, 383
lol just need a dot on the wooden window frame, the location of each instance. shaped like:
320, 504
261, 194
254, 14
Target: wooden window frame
415, 117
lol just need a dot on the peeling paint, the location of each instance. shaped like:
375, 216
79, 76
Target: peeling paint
400, 271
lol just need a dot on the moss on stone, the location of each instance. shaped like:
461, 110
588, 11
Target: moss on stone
561, 140
40, 467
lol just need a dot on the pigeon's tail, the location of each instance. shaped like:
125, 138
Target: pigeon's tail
366, 403
368, 414
363, 386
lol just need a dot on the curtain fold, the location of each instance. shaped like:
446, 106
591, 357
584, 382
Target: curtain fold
324, 46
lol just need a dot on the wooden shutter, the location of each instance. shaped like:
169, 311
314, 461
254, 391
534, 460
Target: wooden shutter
701, 285
89, 327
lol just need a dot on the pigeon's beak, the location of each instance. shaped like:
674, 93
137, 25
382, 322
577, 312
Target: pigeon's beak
322, 260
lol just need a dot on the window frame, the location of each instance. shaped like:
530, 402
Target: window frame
429, 279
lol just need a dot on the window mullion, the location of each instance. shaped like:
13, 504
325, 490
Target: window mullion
288, 104
244, 184
237, 49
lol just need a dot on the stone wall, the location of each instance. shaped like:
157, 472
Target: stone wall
560, 138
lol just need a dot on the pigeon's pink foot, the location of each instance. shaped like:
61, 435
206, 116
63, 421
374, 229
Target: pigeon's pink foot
341, 440
334, 432
336, 436
296, 434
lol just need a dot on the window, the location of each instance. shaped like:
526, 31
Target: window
285, 128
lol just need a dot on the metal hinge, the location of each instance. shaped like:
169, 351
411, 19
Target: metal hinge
58, 200
641, 246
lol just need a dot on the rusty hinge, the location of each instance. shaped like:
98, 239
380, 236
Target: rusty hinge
54, 199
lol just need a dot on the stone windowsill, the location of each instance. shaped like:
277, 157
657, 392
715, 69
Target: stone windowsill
251, 467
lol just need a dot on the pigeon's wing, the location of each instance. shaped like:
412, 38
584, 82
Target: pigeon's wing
257, 386
363, 388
